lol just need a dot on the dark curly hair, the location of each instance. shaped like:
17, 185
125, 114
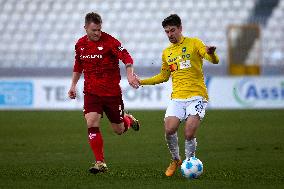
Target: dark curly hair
172, 20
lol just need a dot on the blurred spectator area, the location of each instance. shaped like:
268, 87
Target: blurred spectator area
40, 35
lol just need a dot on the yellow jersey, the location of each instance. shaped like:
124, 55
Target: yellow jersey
184, 61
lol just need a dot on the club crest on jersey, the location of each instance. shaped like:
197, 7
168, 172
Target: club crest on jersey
100, 48
183, 49
120, 48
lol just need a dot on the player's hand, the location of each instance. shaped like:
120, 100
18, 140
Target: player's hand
72, 92
138, 79
133, 80
210, 49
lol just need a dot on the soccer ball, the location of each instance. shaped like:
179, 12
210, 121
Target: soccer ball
191, 168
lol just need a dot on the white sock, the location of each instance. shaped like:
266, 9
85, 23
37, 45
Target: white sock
190, 147
172, 142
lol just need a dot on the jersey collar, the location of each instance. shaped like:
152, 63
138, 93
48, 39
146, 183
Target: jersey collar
180, 41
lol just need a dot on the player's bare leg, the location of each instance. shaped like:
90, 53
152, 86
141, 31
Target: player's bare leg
96, 141
128, 121
118, 128
191, 125
171, 127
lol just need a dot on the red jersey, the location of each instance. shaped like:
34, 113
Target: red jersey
99, 61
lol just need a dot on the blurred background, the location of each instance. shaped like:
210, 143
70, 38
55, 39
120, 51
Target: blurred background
37, 49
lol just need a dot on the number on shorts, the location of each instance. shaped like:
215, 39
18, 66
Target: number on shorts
199, 107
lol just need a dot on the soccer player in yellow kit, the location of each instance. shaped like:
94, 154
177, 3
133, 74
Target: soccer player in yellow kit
182, 60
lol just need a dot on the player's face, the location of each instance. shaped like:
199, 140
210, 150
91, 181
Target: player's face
93, 31
173, 33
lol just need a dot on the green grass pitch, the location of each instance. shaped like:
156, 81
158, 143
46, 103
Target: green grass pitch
49, 149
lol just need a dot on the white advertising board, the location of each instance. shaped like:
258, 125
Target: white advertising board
246, 92
51, 93
224, 93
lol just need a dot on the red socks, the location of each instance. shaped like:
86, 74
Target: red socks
127, 122
96, 140
96, 143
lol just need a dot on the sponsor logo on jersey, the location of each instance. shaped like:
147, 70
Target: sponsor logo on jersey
173, 67
173, 59
91, 56
185, 56
184, 64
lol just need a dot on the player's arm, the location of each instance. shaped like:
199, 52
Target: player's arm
207, 52
163, 76
72, 91
125, 57
131, 76
77, 72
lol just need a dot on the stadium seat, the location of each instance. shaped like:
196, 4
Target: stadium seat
31, 28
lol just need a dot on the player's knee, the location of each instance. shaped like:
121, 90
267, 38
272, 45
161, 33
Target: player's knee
170, 131
92, 123
89, 123
171, 125
189, 136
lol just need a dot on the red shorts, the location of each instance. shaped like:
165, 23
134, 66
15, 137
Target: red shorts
112, 106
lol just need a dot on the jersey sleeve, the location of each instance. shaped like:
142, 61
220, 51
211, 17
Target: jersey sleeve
121, 53
201, 48
77, 65
163, 76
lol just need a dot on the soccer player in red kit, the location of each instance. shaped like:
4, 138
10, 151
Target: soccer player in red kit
97, 56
